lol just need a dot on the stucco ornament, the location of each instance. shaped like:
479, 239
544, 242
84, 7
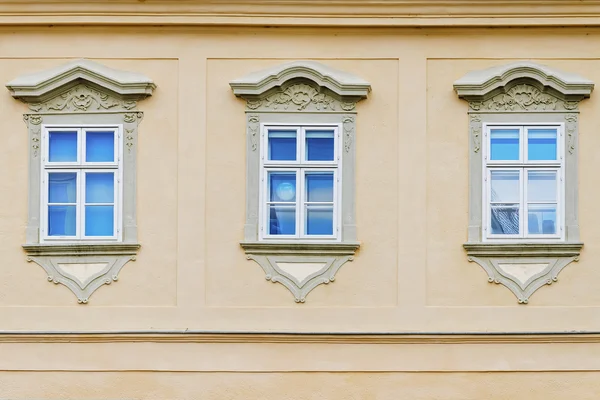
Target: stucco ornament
300, 92
522, 93
82, 92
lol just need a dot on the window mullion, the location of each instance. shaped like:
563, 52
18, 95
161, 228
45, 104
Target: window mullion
80, 215
300, 202
524, 199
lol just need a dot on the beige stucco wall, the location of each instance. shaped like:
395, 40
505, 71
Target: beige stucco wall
410, 275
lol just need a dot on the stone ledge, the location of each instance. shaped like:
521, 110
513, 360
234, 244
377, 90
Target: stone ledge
523, 249
76, 249
287, 248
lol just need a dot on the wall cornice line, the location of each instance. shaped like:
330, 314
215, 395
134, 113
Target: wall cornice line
304, 338
304, 13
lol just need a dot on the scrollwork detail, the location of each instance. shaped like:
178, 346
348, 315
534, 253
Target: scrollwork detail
571, 128
253, 125
83, 98
348, 127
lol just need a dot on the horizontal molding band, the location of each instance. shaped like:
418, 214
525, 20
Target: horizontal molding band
304, 13
292, 338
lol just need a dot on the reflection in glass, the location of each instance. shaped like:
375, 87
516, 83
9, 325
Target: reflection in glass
319, 220
100, 146
542, 219
319, 187
282, 187
282, 220
62, 146
505, 186
504, 144
505, 220
62, 220
319, 145
541, 186
541, 144
62, 187
99, 187
99, 220
282, 145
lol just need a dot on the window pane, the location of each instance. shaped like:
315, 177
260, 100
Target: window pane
99, 187
541, 186
319, 187
62, 220
282, 145
62, 146
505, 186
505, 220
541, 144
542, 219
319, 145
282, 186
504, 144
62, 187
282, 220
319, 220
99, 221
100, 146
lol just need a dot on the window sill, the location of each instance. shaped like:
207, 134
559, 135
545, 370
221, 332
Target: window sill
524, 249
301, 248
77, 249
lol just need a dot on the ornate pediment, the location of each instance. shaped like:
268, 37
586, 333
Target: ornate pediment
83, 98
47, 85
522, 86
301, 86
523, 97
300, 97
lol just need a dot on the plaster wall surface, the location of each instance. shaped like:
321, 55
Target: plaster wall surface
411, 273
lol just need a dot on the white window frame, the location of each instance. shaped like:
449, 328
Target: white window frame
300, 167
523, 166
81, 167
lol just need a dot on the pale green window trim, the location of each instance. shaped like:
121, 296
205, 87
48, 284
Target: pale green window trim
523, 94
301, 93
83, 93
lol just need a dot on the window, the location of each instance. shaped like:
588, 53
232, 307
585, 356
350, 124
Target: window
523, 172
300, 185
523, 177
81, 183
300, 166
82, 128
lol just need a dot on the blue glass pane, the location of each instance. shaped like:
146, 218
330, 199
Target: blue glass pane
504, 144
542, 219
541, 144
100, 146
282, 187
282, 145
62, 220
99, 221
541, 186
99, 187
319, 145
62, 187
63, 146
282, 220
506, 187
319, 187
505, 220
319, 221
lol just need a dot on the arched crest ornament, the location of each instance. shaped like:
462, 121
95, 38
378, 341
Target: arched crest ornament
523, 92
300, 92
82, 92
